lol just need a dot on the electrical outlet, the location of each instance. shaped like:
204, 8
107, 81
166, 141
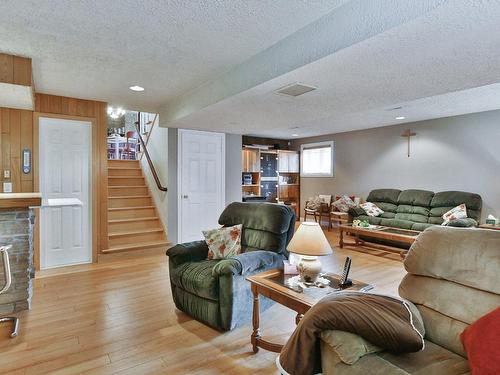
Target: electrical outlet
6, 173
7, 187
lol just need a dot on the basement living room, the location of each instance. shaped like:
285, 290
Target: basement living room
284, 187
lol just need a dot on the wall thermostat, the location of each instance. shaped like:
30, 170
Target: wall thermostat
26, 161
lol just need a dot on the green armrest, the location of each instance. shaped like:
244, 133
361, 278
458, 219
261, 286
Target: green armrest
246, 263
188, 252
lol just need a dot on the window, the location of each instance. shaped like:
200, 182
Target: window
317, 159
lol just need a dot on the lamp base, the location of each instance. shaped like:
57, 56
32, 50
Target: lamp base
309, 269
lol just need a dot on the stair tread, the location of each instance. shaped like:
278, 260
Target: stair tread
130, 208
127, 177
149, 218
126, 186
130, 196
132, 232
136, 246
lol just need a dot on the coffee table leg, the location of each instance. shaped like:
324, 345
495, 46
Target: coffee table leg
341, 241
255, 320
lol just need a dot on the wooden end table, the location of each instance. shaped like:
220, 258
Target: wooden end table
273, 285
490, 226
404, 236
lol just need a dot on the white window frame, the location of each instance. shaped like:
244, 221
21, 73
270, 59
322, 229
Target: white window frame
306, 146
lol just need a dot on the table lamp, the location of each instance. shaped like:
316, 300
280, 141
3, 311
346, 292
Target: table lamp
309, 242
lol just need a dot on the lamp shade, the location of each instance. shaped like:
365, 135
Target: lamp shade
309, 240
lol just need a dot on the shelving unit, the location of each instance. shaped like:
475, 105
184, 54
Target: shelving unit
275, 176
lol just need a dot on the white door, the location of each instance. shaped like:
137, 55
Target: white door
65, 231
201, 182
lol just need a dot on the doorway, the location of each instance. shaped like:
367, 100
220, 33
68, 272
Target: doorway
65, 176
201, 183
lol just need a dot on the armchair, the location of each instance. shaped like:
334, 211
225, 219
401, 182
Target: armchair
216, 292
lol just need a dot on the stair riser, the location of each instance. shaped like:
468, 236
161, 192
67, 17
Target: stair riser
135, 238
123, 164
128, 191
130, 202
131, 214
124, 172
134, 225
127, 181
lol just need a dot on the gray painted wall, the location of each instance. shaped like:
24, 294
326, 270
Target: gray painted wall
454, 153
158, 150
233, 168
233, 177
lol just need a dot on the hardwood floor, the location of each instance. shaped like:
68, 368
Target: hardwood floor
118, 317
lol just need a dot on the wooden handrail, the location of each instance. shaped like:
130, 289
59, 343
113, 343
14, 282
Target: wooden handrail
150, 131
148, 158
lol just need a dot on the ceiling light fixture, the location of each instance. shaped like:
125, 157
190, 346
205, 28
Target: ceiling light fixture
400, 118
136, 88
295, 135
115, 113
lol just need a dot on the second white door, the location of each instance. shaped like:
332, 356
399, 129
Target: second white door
201, 182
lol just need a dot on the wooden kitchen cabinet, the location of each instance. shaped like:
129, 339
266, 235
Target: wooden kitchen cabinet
288, 162
250, 160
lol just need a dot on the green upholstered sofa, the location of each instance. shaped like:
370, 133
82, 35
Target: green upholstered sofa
452, 278
416, 209
216, 291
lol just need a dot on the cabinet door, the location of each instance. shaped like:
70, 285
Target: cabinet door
293, 162
283, 162
254, 161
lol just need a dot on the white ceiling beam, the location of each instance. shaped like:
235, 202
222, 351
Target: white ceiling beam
352, 23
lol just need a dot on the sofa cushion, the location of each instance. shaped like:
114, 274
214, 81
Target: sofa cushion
196, 278
462, 255
446, 200
348, 346
371, 209
384, 195
414, 197
432, 360
421, 226
397, 223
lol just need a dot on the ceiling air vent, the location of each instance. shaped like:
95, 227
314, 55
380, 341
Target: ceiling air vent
295, 89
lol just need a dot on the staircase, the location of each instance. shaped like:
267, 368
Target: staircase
133, 222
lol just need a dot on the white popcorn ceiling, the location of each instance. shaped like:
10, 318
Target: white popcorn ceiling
443, 62
96, 49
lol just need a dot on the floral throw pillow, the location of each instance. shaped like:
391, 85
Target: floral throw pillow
343, 204
371, 209
223, 242
313, 203
459, 212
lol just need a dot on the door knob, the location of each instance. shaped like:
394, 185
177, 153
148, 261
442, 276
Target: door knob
185, 196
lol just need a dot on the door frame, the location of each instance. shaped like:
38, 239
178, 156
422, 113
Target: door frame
180, 134
94, 175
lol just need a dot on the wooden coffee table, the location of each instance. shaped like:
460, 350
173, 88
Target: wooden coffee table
273, 285
404, 236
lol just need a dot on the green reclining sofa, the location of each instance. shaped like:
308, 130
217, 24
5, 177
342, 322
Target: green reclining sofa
216, 292
416, 209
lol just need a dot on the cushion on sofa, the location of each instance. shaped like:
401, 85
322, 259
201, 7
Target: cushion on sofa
196, 278
466, 222
371, 209
348, 346
446, 200
415, 197
384, 195
397, 223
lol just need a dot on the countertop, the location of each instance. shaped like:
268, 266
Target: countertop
20, 200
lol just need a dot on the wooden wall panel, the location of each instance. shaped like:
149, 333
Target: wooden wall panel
16, 134
15, 70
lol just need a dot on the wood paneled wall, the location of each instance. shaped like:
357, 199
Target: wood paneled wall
16, 129
15, 70
64, 107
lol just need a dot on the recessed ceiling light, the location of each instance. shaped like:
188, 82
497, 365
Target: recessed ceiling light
136, 88
295, 135
400, 118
